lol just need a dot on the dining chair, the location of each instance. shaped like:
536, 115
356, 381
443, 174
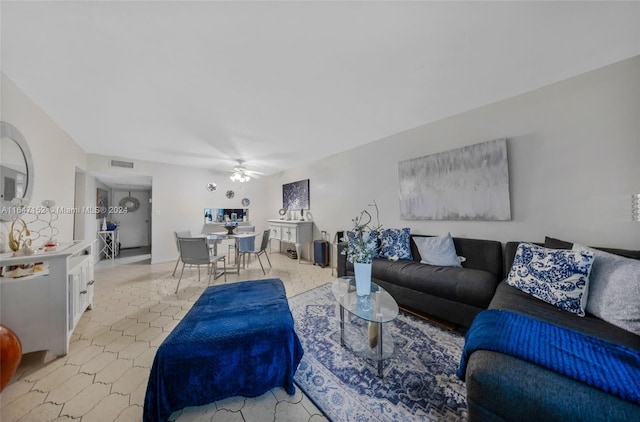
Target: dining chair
177, 234
245, 245
241, 229
261, 251
213, 240
195, 251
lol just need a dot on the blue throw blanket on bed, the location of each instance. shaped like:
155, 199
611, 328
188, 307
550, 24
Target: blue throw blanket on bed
612, 368
237, 340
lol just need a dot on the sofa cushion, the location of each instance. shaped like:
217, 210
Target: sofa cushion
550, 242
558, 277
502, 387
553, 243
480, 254
512, 299
614, 289
438, 250
465, 285
394, 244
505, 388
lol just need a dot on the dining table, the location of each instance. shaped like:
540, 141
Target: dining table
238, 237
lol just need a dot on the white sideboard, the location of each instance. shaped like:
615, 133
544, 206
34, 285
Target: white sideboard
43, 310
292, 231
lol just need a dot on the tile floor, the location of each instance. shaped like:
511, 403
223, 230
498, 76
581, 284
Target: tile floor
104, 376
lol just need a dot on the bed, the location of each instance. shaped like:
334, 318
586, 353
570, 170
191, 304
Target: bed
238, 339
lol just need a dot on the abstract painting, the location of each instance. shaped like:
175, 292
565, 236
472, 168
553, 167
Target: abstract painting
469, 183
102, 202
295, 196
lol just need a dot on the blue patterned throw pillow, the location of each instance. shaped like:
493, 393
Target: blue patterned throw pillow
394, 244
370, 239
559, 277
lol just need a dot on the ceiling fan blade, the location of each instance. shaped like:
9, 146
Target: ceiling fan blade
241, 170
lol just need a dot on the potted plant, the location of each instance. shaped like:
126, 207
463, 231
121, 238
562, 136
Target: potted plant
362, 245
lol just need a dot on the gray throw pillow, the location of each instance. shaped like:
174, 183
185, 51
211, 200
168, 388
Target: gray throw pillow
614, 289
439, 250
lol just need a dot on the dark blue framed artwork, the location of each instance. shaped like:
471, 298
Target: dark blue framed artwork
295, 195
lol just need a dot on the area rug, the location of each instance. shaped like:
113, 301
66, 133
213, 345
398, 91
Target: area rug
419, 382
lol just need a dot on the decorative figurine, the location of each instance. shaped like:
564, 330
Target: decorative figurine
18, 245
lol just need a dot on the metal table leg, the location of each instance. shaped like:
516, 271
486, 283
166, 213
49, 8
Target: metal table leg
380, 363
341, 325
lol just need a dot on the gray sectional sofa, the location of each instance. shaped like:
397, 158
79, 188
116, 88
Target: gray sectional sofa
452, 294
501, 387
505, 388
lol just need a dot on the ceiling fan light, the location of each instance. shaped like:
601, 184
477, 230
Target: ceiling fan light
239, 177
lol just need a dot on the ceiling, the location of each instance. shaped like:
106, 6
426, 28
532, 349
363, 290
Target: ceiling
282, 84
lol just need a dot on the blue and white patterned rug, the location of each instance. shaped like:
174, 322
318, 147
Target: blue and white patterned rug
419, 381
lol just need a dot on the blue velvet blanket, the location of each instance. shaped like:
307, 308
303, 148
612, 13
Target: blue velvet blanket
598, 363
237, 340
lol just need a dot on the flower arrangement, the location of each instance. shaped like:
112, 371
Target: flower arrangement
230, 226
362, 248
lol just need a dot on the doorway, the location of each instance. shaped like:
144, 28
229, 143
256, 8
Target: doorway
132, 215
129, 209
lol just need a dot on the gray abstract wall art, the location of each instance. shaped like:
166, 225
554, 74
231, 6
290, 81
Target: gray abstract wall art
469, 183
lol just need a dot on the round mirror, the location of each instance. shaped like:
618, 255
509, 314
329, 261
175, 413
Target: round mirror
16, 169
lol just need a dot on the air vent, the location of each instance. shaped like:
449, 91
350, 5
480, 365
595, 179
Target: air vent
122, 164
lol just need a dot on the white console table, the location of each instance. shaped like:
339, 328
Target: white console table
292, 231
43, 310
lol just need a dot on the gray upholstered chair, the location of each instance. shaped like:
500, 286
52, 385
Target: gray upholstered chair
241, 229
196, 251
176, 235
261, 251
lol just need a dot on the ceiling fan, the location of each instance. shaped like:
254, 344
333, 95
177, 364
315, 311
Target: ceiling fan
242, 175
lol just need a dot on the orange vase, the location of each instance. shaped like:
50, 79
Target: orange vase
10, 355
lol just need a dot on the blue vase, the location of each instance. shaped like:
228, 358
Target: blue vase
363, 278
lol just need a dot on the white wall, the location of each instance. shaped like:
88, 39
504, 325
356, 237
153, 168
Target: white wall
55, 155
574, 149
180, 197
574, 154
